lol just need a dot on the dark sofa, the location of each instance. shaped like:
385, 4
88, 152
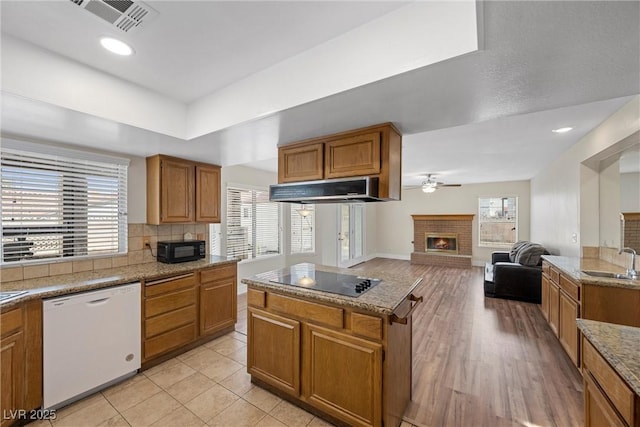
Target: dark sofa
516, 274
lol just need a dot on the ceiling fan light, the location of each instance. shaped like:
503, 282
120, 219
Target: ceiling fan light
303, 212
427, 188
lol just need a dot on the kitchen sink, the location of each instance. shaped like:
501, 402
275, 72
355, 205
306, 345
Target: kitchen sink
5, 295
606, 274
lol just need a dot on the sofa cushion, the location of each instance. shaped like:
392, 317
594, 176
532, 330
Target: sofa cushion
530, 254
515, 248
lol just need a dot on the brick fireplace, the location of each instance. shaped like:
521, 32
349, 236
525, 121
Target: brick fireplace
444, 240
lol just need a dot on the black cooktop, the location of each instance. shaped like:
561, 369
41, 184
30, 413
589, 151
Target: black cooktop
306, 276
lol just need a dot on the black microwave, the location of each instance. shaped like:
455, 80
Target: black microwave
172, 251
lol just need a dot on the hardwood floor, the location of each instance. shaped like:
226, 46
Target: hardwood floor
481, 361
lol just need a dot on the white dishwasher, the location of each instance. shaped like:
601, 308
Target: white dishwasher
90, 340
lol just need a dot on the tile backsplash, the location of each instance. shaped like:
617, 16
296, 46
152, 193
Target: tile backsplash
137, 253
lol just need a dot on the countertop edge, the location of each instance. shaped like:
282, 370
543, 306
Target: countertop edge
610, 355
572, 267
327, 297
106, 278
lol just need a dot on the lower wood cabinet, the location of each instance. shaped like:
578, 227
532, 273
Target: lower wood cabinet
355, 367
568, 333
182, 311
170, 314
20, 360
274, 350
344, 375
218, 299
608, 400
554, 304
12, 360
561, 306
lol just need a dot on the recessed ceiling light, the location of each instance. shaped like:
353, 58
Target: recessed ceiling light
116, 46
562, 130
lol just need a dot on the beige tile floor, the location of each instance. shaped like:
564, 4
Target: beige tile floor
207, 386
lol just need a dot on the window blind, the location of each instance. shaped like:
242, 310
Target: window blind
253, 224
303, 219
57, 204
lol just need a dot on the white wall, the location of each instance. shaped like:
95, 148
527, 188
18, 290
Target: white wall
394, 225
630, 192
609, 206
564, 196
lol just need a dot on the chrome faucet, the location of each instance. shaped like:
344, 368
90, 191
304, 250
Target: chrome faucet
631, 271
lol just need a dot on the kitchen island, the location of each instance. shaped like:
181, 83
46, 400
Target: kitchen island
345, 358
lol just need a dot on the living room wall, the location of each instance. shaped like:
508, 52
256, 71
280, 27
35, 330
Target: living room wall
395, 226
565, 194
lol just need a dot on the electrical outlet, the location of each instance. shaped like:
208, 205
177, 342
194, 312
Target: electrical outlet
146, 241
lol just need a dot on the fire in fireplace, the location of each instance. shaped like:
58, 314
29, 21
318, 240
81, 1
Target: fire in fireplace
441, 242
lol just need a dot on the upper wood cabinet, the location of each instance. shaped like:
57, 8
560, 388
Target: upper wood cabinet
373, 151
353, 156
207, 193
301, 163
182, 191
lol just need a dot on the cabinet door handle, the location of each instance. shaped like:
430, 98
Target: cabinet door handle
403, 320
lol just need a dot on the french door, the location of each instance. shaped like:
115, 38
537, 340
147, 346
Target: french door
351, 226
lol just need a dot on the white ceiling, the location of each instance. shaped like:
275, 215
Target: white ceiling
482, 117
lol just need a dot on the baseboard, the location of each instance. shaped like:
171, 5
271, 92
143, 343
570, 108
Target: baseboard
393, 256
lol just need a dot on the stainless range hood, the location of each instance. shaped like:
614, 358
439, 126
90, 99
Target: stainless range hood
361, 189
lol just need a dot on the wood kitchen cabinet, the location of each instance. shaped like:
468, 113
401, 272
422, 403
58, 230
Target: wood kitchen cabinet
182, 191
183, 311
170, 314
374, 151
274, 355
560, 305
608, 400
301, 163
12, 360
20, 359
218, 299
544, 300
352, 366
343, 375
353, 156
207, 193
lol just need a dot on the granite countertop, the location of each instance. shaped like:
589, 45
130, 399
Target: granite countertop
381, 299
50, 286
573, 266
619, 345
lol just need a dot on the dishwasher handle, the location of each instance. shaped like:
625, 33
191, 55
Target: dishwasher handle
98, 301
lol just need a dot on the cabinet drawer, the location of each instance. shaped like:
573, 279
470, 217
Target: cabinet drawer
614, 387
11, 321
570, 287
170, 284
545, 267
366, 326
169, 302
217, 273
256, 298
170, 340
554, 274
318, 313
168, 321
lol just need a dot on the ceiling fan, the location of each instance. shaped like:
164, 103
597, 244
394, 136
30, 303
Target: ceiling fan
429, 185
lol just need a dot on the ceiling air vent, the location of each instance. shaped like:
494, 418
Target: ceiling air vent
126, 15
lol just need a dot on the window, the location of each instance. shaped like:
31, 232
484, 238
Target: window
61, 203
498, 221
253, 224
303, 219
